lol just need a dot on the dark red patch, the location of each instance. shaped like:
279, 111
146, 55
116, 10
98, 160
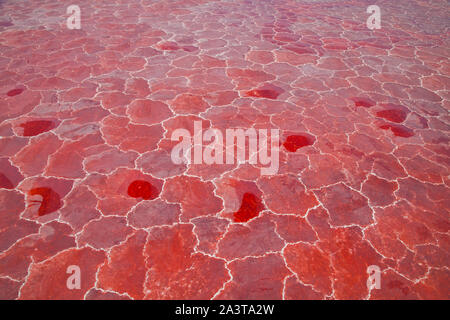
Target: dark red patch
14, 92
190, 48
300, 49
392, 115
5, 182
51, 201
35, 127
396, 284
399, 131
5, 24
295, 142
142, 189
251, 206
9, 175
263, 93
363, 102
169, 45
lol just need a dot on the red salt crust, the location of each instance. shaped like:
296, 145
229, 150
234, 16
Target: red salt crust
50, 202
86, 176
363, 102
176, 269
263, 93
398, 130
48, 280
35, 127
